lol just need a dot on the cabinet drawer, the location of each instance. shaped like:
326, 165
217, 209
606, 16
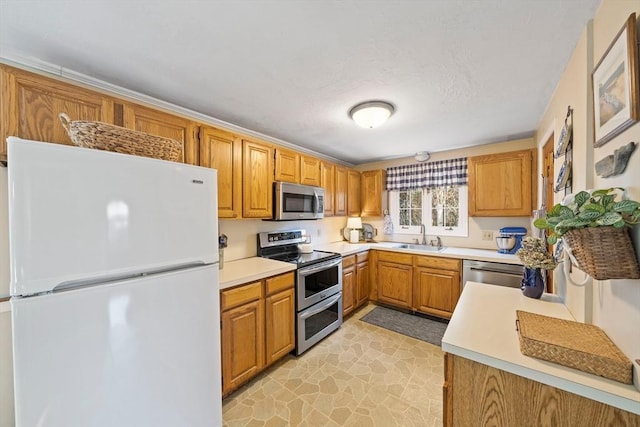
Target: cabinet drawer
348, 260
438, 262
362, 257
243, 294
395, 257
279, 283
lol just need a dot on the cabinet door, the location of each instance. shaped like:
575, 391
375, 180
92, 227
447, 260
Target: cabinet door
353, 189
348, 289
280, 321
309, 171
362, 294
242, 344
30, 104
223, 151
257, 180
158, 123
372, 187
287, 166
395, 284
327, 180
340, 199
436, 291
502, 184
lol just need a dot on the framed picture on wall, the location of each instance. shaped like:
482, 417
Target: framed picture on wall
616, 104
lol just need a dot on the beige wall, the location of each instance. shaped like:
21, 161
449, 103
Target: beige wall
476, 224
573, 89
614, 305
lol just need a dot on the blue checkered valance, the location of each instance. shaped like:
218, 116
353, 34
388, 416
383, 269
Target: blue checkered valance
442, 173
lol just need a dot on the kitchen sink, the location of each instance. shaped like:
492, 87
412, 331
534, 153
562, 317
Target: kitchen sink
425, 248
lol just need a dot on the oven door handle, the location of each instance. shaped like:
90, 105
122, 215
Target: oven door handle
321, 306
306, 271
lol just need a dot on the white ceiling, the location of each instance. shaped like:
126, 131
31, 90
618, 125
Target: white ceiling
459, 73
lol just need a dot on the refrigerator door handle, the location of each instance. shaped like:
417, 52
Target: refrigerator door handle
76, 284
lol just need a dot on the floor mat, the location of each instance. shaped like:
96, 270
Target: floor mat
415, 326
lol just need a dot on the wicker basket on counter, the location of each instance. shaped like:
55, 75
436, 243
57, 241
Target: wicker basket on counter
603, 252
573, 344
104, 136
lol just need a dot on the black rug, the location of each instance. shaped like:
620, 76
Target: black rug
415, 326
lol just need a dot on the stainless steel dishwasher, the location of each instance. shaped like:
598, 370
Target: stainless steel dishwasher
493, 273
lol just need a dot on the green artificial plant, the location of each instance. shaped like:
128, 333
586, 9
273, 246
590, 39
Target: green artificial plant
596, 209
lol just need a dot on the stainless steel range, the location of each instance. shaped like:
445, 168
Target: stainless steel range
318, 285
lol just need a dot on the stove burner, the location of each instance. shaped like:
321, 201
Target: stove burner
283, 246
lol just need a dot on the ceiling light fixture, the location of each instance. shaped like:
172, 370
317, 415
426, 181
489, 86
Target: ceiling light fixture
422, 156
371, 114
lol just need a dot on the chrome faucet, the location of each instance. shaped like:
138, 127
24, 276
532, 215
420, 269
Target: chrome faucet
423, 230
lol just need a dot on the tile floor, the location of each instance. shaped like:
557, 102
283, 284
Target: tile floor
361, 375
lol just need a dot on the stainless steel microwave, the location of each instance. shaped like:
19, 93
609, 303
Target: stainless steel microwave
295, 201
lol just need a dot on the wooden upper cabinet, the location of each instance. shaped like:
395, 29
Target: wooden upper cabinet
257, 180
287, 166
30, 104
327, 181
166, 125
502, 184
340, 195
309, 171
353, 190
372, 183
222, 150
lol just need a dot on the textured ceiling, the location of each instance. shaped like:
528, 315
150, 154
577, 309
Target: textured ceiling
459, 73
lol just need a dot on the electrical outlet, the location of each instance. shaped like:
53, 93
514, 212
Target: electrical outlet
487, 235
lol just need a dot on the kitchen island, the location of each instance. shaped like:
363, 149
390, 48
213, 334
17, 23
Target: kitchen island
487, 378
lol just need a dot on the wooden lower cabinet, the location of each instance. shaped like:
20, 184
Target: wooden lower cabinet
475, 394
362, 278
395, 279
258, 328
280, 325
355, 282
348, 284
425, 284
242, 344
436, 286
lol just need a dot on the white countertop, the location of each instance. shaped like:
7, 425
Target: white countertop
249, 269
482, 329
345, 248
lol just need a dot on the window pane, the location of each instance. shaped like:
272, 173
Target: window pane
403, 198
452, 197
404, 217
416, 199
434, 217
436, 197
416, 217
451, 217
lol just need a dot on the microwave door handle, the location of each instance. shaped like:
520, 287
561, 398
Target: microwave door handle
316, 201
322, 306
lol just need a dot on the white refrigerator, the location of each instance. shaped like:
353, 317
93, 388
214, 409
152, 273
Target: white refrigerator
114, 289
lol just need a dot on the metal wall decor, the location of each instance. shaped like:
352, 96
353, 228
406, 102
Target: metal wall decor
616, 163
565, 148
